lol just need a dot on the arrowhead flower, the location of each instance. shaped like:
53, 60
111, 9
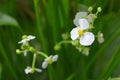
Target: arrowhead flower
81, 15
49, 60
86, 38
30, 70
26, 39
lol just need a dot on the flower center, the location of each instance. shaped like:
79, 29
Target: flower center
80, 32
50, 61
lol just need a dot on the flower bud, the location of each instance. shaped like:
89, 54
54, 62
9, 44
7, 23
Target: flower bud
24, 36
99, 9
57, 47
65, 36
31, 49
18, 51
90, 9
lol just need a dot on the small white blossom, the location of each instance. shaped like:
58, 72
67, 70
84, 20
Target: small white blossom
28, 38
86, 38
49, 60
100, 37
29, 70
81, 15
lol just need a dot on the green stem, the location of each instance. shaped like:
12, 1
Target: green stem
43, 54
34, 60
64, 42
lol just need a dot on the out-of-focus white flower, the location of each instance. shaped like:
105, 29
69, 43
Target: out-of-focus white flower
49, 60
29, 70
81, 15
26, 39
100, 37
86, 51
86, 38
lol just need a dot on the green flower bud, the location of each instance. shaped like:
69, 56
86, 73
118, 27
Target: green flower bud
65, 36
24, 36
18, 51
99, 9
31, 49
57, 47
90, 9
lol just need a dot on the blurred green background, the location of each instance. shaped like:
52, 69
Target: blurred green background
47, 20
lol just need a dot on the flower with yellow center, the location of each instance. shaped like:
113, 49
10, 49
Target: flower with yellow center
80, 32
86, 38
81, 15
49, 60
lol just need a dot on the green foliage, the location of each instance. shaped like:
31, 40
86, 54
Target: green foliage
7, 20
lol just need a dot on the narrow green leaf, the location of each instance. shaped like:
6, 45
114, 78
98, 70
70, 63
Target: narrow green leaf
7, 20
7, 61
39, 27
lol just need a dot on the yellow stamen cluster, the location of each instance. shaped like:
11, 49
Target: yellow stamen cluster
50, 61
80, 32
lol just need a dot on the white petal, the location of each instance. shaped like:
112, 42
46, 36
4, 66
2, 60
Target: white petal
89, 18
55, 58
25, 53
78, 16
74, 33
44, 64
30, 37
28, 70
83, 24
87, 39
22, 41
38, 70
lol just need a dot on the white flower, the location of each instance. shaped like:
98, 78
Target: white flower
28, 38
49, 60
86, 38
100, 37
29, 70
81, 15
